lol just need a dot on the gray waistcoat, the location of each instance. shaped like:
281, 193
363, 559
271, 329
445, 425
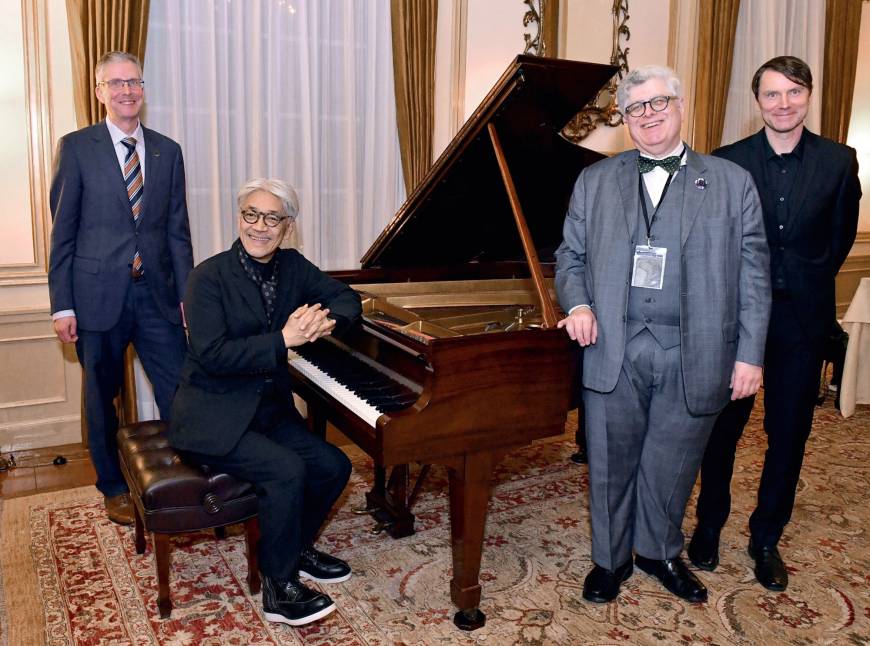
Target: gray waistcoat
658, 310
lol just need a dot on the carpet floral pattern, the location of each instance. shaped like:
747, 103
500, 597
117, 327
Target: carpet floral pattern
93, 588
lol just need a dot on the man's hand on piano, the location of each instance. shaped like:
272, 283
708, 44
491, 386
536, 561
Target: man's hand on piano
308, 323
581, 325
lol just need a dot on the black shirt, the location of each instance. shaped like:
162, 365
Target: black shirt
780, 172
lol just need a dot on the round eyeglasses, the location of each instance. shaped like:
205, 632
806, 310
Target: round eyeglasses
657, 104
271, 219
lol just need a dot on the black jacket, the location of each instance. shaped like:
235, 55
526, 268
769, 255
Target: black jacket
232, 350
823, 221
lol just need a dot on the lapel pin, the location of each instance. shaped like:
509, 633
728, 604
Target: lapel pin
156, 153
701, 183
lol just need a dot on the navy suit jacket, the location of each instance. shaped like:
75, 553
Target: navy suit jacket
93, 235
823, 221
233, 348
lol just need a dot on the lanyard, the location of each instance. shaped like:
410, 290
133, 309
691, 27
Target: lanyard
646, 218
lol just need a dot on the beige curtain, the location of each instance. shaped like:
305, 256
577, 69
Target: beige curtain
717, 24
842, 25
97, 27
413, 23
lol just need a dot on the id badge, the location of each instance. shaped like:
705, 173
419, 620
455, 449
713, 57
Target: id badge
648, 270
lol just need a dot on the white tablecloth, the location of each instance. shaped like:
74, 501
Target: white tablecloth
855, 388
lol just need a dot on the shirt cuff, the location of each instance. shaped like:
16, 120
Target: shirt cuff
62, 314
577, 307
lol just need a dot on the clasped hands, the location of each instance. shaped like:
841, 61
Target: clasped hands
308, 323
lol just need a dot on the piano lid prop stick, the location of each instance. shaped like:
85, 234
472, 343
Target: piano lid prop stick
548, 311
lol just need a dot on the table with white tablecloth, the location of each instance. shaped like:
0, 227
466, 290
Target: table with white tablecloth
855, 386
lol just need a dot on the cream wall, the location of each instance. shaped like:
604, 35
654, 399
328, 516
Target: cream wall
40, 389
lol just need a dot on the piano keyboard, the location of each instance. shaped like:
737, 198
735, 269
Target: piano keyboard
361, 388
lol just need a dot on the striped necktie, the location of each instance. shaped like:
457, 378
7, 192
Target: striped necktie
135, 190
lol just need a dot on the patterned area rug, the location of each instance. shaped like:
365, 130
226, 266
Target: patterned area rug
72, 577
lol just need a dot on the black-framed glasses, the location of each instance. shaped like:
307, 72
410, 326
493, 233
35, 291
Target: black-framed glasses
272, 219
657, 104
118, 84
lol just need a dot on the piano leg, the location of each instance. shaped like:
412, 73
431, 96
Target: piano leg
469, 496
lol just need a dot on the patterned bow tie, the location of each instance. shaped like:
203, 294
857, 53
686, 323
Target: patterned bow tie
670, 164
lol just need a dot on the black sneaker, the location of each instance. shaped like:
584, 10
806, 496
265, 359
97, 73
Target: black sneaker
323, 568
290, 602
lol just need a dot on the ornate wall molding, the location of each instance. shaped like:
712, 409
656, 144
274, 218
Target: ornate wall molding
543, 15
602, 110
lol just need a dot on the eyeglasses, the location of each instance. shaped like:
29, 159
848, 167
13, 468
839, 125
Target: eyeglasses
118, 84
272, 219
657, 104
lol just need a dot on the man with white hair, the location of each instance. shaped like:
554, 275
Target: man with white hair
664, 273
234, 407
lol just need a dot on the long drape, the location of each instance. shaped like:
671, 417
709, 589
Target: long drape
413, 27
97, 27
717, 24
842, 27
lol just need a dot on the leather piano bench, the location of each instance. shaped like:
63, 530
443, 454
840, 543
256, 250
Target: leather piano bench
173, 497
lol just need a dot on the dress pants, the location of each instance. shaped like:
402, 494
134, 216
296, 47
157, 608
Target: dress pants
298, 476
645, 448
792, 369
161, 347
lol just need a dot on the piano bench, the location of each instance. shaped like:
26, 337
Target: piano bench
171, 496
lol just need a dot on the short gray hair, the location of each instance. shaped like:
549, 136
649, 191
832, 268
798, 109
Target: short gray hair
280, 189
115, 57
643, 74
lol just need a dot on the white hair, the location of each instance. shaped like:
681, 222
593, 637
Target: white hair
643, 74
280, 189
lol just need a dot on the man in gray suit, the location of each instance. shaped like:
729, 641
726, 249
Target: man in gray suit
664, 273
120, 256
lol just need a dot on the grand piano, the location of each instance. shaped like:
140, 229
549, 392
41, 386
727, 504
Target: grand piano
457, 359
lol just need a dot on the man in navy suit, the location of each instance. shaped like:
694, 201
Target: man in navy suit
120, 256
809, 192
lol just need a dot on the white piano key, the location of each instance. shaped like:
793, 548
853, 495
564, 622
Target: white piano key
359, 407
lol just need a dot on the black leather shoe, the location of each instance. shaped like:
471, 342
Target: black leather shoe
602, 585
769, 568
323, 568
291, 603
675, 576
704, 548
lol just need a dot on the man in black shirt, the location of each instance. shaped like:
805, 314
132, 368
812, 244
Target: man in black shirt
809, 191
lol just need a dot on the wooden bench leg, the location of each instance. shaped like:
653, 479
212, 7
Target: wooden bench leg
139, 530
161, 553
252, 537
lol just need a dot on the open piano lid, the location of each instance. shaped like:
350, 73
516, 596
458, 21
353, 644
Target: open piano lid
460, 212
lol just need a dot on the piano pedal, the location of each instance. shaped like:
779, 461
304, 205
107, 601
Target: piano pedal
379, 528
362, 511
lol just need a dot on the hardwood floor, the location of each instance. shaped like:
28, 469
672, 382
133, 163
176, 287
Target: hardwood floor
35, 472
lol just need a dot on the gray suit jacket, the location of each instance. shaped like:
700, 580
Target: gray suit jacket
724, 271
93, 235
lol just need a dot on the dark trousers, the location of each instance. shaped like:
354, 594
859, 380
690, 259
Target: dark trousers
298, 476
161, 347
792, 368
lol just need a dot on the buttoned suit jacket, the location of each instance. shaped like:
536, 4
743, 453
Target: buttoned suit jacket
724, 271
232, 347
93, 235
822, 222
